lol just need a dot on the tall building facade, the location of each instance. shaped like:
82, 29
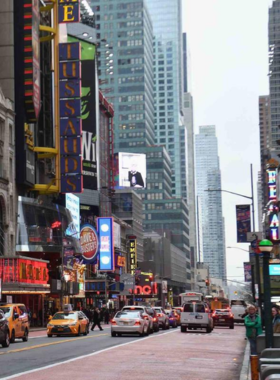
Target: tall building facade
265, 151
208, 176
190, 179
274, 75
125, 37
168, 82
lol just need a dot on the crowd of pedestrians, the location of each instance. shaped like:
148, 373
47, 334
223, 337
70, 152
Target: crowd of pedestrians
253, 325
97, 315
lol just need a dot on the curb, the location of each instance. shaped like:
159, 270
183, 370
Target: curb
245, 373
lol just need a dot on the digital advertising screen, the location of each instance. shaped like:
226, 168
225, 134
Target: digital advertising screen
132, 170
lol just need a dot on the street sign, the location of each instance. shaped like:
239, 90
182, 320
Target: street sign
128, 280
251, 236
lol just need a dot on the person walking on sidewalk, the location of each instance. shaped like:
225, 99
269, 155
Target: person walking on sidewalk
96, 319
253, 326
275, 321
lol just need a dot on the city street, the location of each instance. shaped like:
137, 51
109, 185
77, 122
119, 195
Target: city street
188, 356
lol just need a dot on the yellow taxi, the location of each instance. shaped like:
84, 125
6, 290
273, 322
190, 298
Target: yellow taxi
18, 321
178, 310
68, 323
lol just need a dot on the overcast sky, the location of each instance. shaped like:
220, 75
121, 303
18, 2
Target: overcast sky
228, 43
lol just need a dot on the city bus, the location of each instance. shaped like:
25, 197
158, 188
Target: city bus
190, 296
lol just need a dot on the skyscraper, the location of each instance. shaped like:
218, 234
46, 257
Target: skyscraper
168, 82
124, 32
208, 176
274, 75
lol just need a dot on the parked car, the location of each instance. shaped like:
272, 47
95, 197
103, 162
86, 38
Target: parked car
163, 318
68, 323
144, 310
18, 321
129, 322
178, 310
223, 317
4, 330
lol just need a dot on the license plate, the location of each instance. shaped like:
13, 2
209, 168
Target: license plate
60, 329
222, 320
125, 323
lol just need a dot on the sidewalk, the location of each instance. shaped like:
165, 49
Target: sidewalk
173, 354
245, 373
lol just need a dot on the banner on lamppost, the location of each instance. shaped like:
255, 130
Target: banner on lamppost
247, 272
243, 222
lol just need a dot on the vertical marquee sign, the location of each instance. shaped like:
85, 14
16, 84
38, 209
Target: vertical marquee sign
132, 254
273, 208
68, 11
32, 89
70, 117
106, 244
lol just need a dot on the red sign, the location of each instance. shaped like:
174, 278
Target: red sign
23, 271
145, 290
32, 88
89, 242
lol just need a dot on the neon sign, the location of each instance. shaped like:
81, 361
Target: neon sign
273, 209
132, 255
272, 191
145, 290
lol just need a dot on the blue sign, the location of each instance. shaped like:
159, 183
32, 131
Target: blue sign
106, 244
274, 269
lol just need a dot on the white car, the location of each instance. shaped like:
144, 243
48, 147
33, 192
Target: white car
163, 318
146, 313
196, 315
129, 322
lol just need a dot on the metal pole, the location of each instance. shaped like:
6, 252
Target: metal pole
267, 301
257, 257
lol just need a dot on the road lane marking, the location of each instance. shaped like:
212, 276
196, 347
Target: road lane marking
85, 356
50, 344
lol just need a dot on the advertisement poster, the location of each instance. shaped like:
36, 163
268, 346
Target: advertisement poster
247, 272
132, 170
89, 116
243, 222
72, 203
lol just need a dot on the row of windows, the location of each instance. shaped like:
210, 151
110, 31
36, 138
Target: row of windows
130, 33
130, 6
132, 116
131, 98
131, 126
130, 15
131, 43
128, 135
154, 185
131, 79
132, 107
129, 24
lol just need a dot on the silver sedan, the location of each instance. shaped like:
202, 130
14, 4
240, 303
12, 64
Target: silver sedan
129, 323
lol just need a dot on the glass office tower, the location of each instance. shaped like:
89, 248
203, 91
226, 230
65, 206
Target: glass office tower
125, 35
168, 83
208, 176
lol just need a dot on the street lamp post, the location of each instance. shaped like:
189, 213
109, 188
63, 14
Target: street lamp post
266, 247
254, 230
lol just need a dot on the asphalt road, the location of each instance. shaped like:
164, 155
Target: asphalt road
41, 351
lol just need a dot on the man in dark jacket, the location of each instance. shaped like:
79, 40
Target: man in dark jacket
96, 319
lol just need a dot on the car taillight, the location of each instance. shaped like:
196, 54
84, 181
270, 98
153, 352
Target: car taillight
159, 315
171, 318
137, 323
147, 318
154, 319
113, 322
231, 315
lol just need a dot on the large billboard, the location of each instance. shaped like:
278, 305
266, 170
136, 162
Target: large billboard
89, 115
132, 170
243, 221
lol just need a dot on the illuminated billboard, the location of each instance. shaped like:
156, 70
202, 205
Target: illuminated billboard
106, 244
274, 270
72, 203
132, 170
